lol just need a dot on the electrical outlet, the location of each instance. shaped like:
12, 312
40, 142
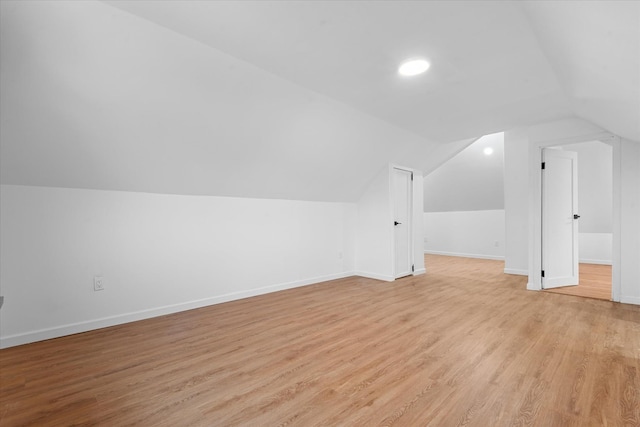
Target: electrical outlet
98, 283
496, 243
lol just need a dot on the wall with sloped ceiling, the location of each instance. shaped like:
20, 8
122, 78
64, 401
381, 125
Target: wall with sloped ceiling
470, 181
181, 175
94, 97
464, 203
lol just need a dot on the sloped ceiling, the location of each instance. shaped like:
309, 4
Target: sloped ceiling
496, 64
293, 99
594, 50
487, 73
93, 97
470, 181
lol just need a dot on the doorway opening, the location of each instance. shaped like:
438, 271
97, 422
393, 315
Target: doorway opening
464, 203
402, 181
582, 267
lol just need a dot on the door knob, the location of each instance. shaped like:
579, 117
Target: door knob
396, 223
576, 216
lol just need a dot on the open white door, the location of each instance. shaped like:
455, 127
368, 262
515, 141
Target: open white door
559, 218
402, 197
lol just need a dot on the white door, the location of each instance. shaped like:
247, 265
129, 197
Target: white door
559, 218
402, 196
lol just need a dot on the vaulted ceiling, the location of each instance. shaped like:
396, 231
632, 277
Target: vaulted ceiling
496, 64
293, 99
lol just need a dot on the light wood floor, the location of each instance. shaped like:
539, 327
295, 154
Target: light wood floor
461, 345
595, 282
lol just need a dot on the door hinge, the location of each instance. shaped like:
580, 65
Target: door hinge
543, 165
542, 273
411, 176
413, 268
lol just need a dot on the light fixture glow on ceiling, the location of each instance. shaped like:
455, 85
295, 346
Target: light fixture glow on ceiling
488, 151
413, 67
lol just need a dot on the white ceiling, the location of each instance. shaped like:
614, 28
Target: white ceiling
487, 73
293, 99
496, 64
470, 181
594, 50
93, 97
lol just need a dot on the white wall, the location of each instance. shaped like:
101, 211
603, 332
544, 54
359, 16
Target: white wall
470, 180
374, 233
595, 185
418, 223
474, 234
595, 248
630, 222
516, 201
375, 238
466, 233
157, 253
464, 201
595, 200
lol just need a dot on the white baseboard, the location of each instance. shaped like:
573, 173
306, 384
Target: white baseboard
630, 300
596, 261
462, 255
89, 325
420, 271
532, 287
516, 271
375, 276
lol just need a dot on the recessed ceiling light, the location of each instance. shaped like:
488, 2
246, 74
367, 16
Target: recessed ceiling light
413, 67
488, 151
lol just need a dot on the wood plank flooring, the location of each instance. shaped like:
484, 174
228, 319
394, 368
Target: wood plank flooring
463, 345
595, 282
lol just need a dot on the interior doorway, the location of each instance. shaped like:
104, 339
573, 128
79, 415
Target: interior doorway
560, 216
577, 230
464, 203
402, 225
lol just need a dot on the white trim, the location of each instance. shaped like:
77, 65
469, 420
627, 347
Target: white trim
391, 230
89, 325
420, 271
603, 136
463, 255
516, 271
596, 261
616, 221
630, 300
375, 276
535, 217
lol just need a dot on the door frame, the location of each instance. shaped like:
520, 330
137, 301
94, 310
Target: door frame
573, 280
535, 207
411, 219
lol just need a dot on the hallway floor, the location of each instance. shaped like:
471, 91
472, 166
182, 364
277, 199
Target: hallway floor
595, 282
